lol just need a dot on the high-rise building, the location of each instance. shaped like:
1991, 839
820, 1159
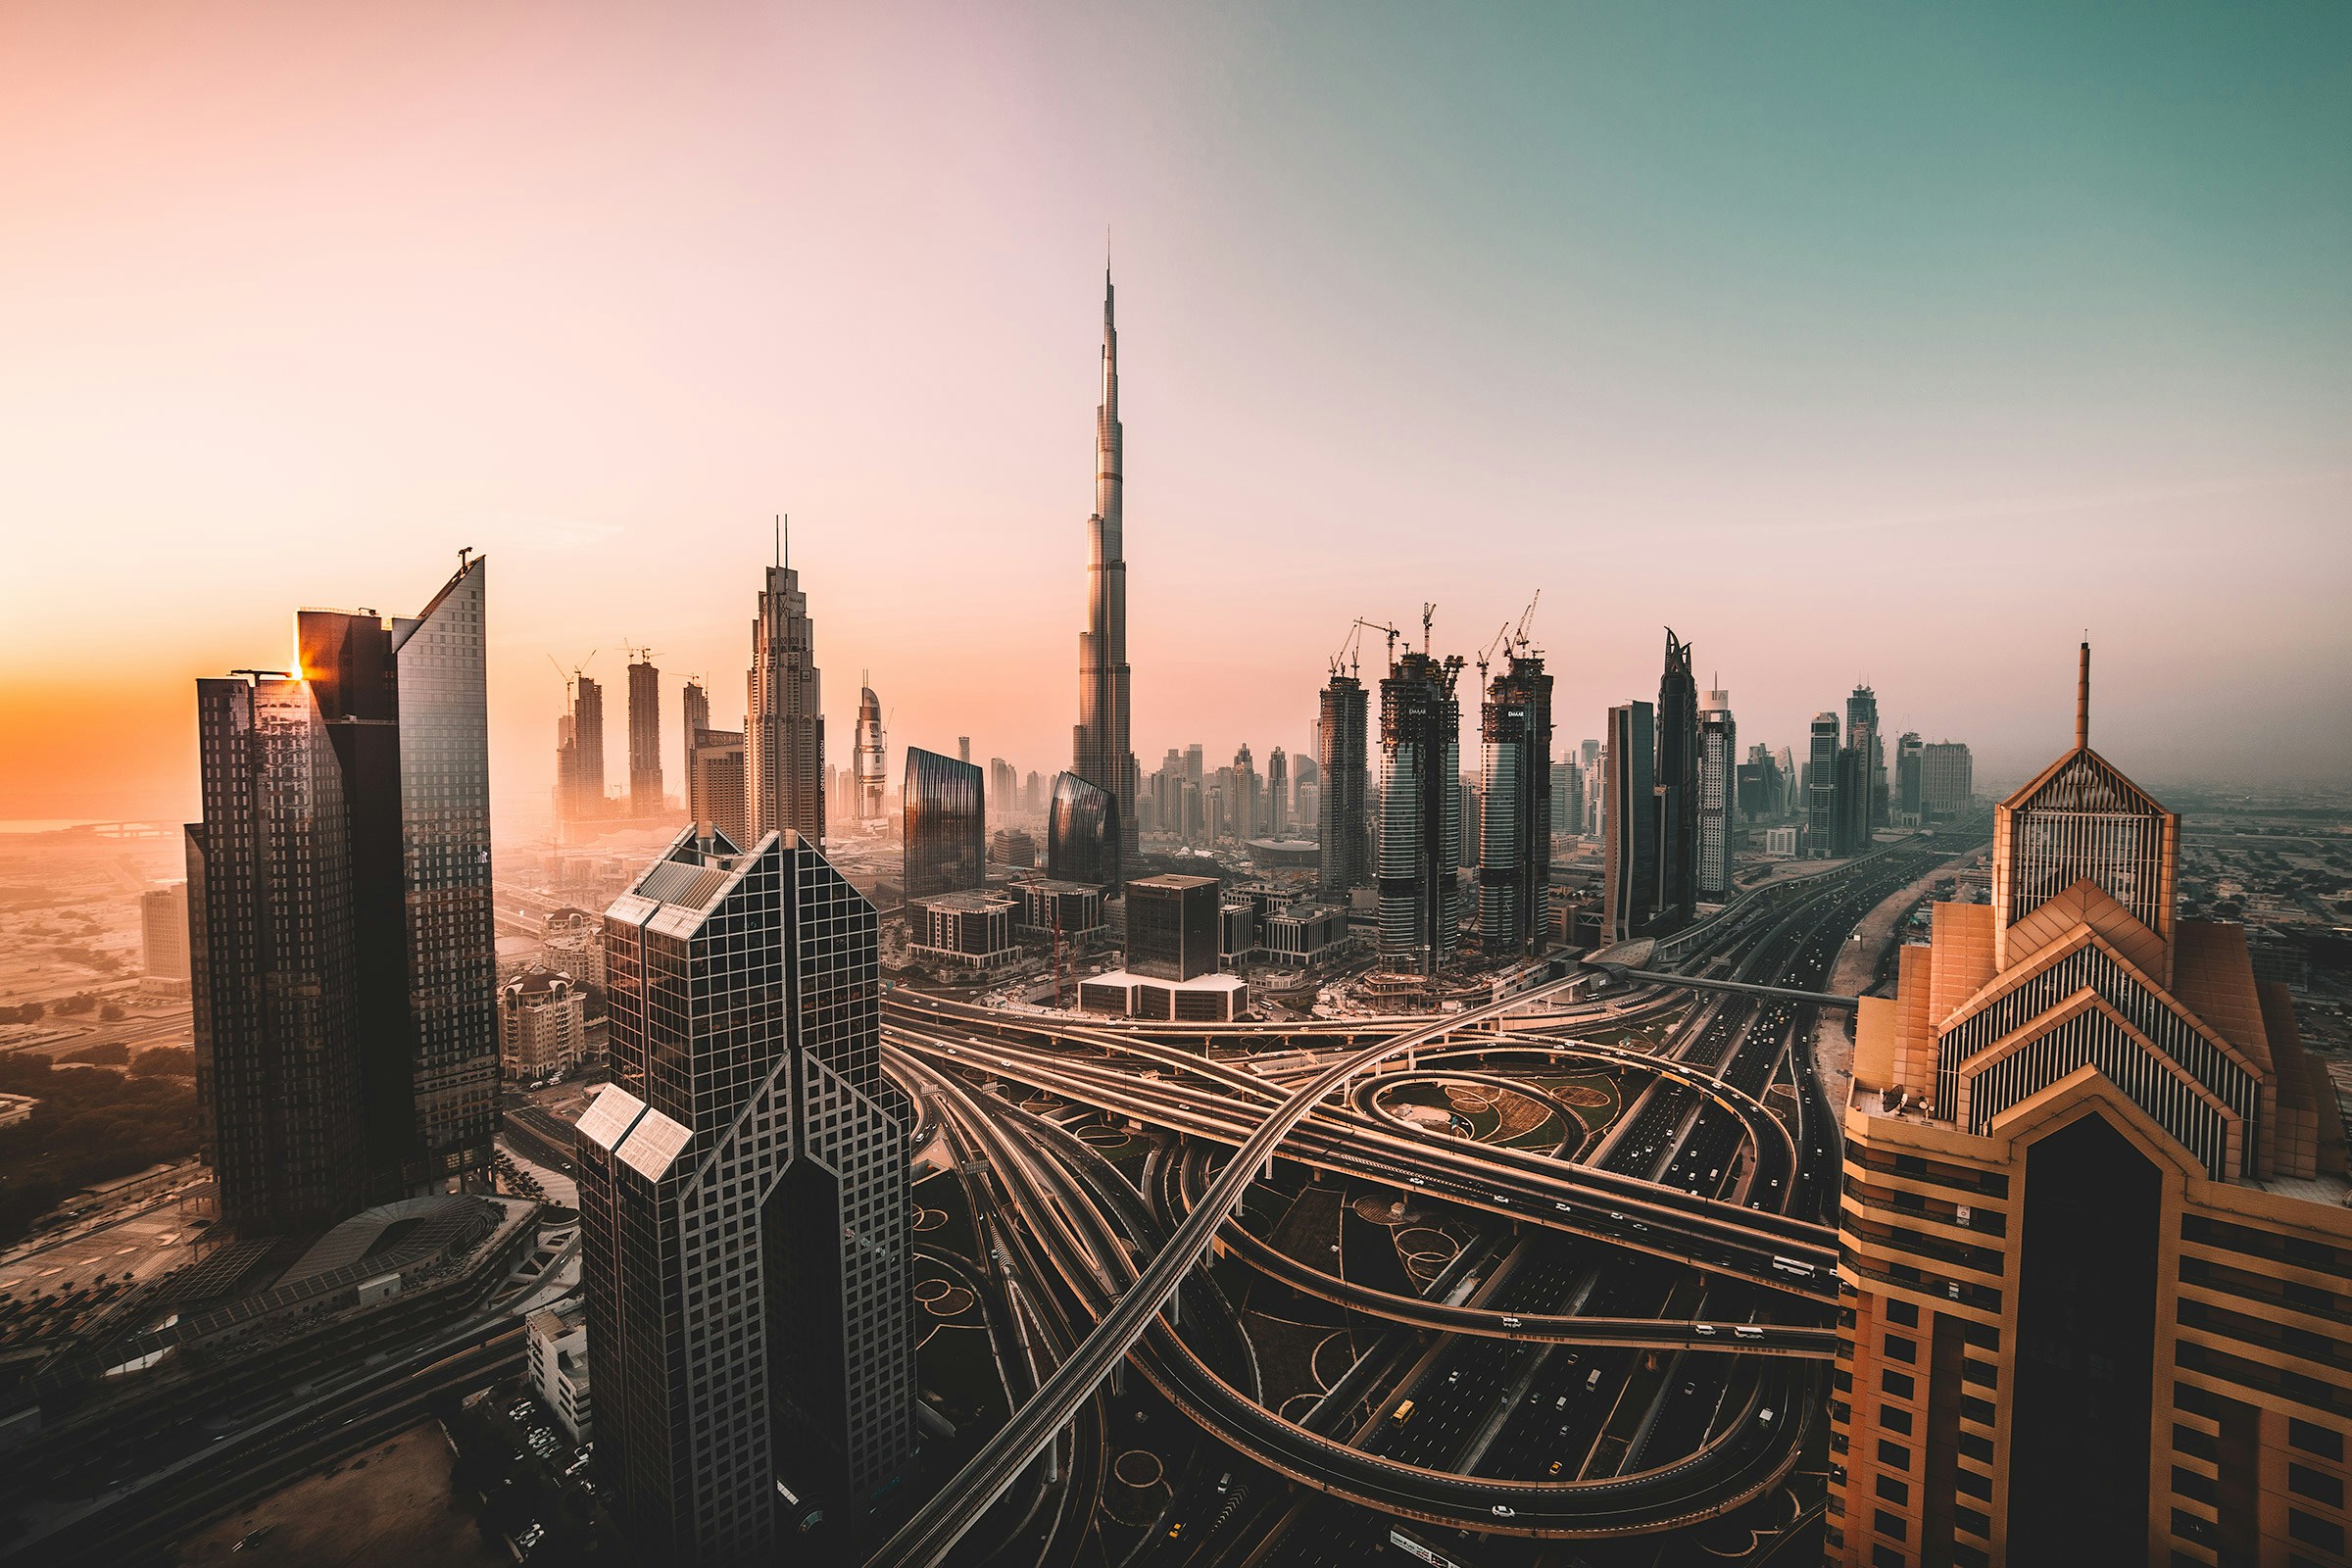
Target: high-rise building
1678, 789
1033, 794
1418, 861
1278, 794
580, 752
275, 960
1851, 805
1172, 926
695, 717
1248, 800
718, 791
1630, 824
1821, 788
1946, 779
943, 837
1587, 752
1907, 777
406, 704
542, 1026
164, 931
645, 738
1191, 764
784, 712
745, 1234
1514, 839
1341, 826
1763, 790
1718, 803
1862, 734
2093, 1242
873, 764
1100, 754
1081, 834
1567, 795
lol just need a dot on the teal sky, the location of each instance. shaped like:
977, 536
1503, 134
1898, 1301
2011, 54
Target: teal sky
1885, 342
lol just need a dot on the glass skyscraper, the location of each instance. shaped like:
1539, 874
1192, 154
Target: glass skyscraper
1514, 841
1420, 855
1081, 833
945, 834
746, 1252
1629, 823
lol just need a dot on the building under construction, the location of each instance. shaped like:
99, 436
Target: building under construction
1420, 853
1514, 842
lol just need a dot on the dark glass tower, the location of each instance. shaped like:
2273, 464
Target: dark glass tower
645, 739
1821, 788
1514, 841
1678, 787
944, 837
696, 715
273, 960
1420, 856
1862, 734
1081, 832
1629, 823
1100, 754
744, 1225
1341, 735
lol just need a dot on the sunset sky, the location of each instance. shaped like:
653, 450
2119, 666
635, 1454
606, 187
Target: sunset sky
1896, 343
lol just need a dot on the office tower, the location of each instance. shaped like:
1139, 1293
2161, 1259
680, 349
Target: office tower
695, 717
964, 748
542, 1026
1278, 794
580, 752
1597, 797
1946, 779
1033, 795
873, 764
1763, 791
745, 1235
1304, 773
645, 738
717, 793
406, 706
784, 712
943, 839
1567, 796
2093, 1242
1420, 852
1853, 801
164, 931
1310, 803
1080, 836
1514, 839
275, 960
1906, 777
1678, 787
1341, 828
1821, 788
1191, 764
1172, 926
1630, 824
1718, 807
1862, 734
1587, 751
1100, 755
1249, 803
1468, 806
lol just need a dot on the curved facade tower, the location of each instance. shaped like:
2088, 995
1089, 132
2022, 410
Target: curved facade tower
1080, 843
872, 768
1099, 743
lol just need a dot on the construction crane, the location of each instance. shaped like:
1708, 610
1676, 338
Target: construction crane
1429, 615
1380, 626
1519, 637
573, 676
637, 656
1486, 654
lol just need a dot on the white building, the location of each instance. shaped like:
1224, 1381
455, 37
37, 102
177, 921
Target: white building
542, 1026
558, 1364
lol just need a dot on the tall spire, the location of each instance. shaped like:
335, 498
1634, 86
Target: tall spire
2083, 700
1100, 754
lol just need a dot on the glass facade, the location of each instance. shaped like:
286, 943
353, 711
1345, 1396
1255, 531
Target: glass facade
1420, 856
943, 836
1629, 823
1079, 825
1340, 806
1514, 864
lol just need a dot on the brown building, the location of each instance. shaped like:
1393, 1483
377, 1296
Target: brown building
2096, 1268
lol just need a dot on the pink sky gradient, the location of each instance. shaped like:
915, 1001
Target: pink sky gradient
297, 300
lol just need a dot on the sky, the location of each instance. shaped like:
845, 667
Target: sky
1898, 344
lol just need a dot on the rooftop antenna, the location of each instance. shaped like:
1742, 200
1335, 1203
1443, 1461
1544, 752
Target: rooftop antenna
2082, 696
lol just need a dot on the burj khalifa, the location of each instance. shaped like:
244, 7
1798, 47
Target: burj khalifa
1101, 744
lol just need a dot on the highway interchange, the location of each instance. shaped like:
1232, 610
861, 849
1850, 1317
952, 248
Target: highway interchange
1633, 1337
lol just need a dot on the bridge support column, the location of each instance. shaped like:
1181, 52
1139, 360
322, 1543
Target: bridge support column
1053, 1461
1119, 1376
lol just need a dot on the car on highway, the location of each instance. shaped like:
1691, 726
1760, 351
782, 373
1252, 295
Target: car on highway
1747, 1331
1707, 1329
1505, 1511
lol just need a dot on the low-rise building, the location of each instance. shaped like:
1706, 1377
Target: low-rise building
1298, 934
1074, 908
558, 1364
967, 930
1203, 998
542, 1026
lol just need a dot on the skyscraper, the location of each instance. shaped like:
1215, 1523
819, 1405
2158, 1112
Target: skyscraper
1101, 752
1515, 840
1718, 803
1678, 789
1862, 734
717, 796
744, 1225
164, 931
1946, 778
1248, 801
1821, 788
645, 738
784, 714
580, 752
1339, 823
1081, 833
275, 960
873, 765
1277, 794
2093, 1244
340, 914
1418, 862
1629, 823
943, 837
1906, 777
695, 717
418, 789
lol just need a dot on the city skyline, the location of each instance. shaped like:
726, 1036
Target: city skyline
1822, 448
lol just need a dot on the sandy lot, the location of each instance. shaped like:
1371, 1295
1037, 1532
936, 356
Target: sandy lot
393, 1513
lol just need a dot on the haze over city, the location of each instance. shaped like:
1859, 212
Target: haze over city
1838, 338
